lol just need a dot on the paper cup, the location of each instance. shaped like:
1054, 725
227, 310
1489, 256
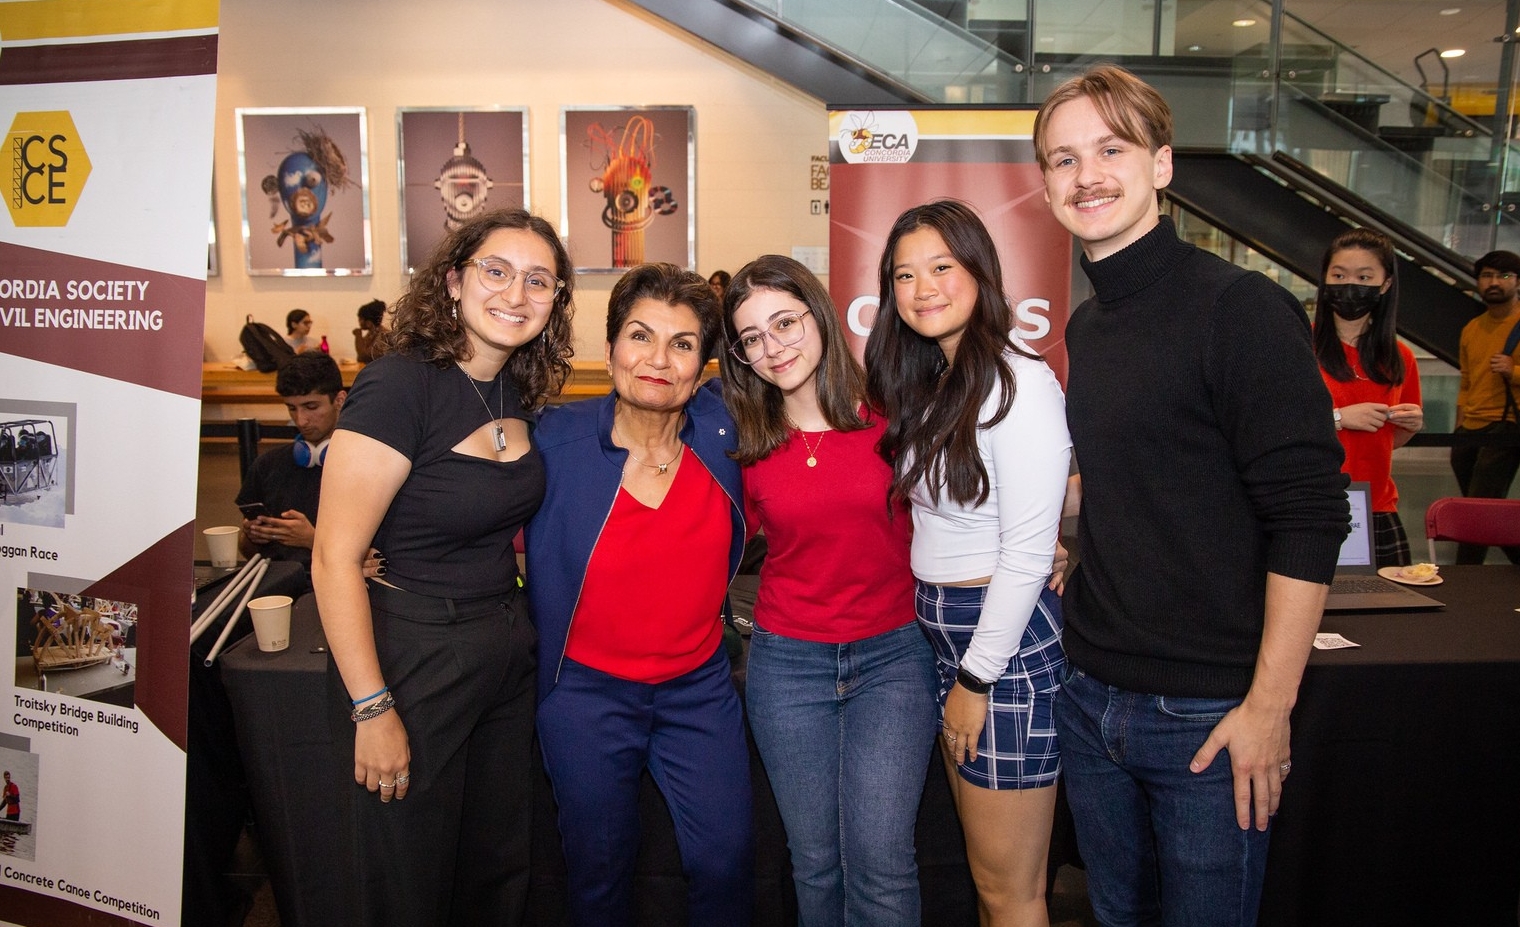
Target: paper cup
271, 621
223, 543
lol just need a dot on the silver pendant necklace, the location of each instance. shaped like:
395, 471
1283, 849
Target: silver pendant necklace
497, 434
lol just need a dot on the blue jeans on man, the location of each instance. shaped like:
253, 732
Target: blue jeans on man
1160, 842
846, 732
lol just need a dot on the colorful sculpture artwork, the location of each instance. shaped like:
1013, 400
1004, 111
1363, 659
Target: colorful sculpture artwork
301, 184
624, 160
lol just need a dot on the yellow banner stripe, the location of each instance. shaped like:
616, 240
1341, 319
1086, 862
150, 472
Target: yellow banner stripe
987, 123
65, 19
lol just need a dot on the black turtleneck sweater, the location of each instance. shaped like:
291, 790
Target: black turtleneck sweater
1208, 455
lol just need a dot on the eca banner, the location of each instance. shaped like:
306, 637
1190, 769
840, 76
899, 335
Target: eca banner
883, 161
108, 111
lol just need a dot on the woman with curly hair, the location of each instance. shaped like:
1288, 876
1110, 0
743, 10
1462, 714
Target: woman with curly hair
433, 661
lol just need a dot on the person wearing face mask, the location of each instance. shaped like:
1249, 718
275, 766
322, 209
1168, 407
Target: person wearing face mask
1372, 377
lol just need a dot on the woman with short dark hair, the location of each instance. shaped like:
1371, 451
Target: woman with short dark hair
629, 559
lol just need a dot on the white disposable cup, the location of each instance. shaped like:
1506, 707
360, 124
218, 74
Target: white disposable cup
271, 621
223, 543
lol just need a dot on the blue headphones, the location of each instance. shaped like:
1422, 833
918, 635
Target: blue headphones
308, 456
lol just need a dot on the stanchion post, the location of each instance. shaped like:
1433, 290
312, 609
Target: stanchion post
248, 444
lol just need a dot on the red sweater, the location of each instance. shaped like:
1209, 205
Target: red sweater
1369, 454
836, 566
650, 606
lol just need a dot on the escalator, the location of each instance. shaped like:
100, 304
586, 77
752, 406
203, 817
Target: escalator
900, 53
1273, 208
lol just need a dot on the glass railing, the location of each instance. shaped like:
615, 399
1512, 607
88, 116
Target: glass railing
1231, 85
943, 60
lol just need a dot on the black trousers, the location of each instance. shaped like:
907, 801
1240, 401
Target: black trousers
1485, 473
455, 851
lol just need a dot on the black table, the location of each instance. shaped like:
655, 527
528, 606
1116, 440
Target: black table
216, 795
1404, 802
1365, 835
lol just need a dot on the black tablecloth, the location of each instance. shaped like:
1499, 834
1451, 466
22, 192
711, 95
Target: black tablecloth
216, 796
1402, 807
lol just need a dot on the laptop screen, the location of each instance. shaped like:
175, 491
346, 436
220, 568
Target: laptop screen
1356, 550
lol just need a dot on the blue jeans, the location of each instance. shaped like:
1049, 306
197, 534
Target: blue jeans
846, 731
1160, 843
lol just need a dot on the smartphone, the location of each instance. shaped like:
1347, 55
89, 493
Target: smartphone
252, 510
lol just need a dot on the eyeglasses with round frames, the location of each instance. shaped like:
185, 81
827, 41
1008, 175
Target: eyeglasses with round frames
785, 330
498, 276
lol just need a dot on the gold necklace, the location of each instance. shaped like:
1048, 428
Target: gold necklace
661, 467
812, 449
496, 431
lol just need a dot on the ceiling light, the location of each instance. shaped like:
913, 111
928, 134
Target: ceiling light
1243, 23
1451, 11
1453, 53
1195, 48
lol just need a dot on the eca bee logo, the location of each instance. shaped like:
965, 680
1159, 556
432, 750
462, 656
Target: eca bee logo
48, 168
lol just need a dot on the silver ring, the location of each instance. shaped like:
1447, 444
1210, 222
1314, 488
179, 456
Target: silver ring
403, 779
950, 737
1286, 767
387, 785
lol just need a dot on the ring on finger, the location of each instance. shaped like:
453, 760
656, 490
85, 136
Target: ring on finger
1286, 767
387, 785
403, 779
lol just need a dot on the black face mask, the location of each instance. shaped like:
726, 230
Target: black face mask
1351, 301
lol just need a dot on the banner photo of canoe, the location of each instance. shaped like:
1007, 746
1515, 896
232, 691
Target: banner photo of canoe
18, 804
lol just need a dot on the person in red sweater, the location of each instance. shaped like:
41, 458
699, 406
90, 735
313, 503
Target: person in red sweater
12, 799
1372, 377
841, 682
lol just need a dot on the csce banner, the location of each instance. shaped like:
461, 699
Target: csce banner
107, 109
883, 161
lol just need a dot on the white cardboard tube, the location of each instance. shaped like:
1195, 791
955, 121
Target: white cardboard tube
237, 613
228, 593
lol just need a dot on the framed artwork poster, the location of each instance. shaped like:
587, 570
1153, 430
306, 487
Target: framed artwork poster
628, 178
304, 178
456, 163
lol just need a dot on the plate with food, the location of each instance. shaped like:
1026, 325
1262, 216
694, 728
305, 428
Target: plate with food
1420, 574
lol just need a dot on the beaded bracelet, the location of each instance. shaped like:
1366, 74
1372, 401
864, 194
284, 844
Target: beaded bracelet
385, 703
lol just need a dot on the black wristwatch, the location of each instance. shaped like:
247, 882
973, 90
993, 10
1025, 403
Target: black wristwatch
970, 683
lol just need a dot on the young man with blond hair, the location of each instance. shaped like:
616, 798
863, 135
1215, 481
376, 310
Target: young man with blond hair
1212, 511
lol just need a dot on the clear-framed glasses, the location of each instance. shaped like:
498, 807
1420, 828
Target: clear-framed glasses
785, 330
498, 276
1496, 275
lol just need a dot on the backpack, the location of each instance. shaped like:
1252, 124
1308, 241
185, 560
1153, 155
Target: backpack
264, 346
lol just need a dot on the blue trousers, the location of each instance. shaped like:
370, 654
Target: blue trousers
598, 734
846, 731
1160, 842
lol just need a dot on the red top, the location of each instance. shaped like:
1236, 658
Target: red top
836, 566
1369, 454
649, 608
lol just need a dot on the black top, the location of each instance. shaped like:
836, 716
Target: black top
1203, 433
276, 480
449, 530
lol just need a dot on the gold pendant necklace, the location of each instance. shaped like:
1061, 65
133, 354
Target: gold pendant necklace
660, 467
497, 434
812, 449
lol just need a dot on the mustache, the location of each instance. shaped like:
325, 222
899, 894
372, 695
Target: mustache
1084, 195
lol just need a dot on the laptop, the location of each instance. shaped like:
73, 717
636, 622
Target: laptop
1357, 585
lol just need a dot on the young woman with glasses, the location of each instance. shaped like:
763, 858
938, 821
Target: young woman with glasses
840, 684
433, 661
977, 440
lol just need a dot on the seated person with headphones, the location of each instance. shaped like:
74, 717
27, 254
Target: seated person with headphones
280, 491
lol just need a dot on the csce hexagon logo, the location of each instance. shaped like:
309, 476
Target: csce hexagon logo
48, 168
